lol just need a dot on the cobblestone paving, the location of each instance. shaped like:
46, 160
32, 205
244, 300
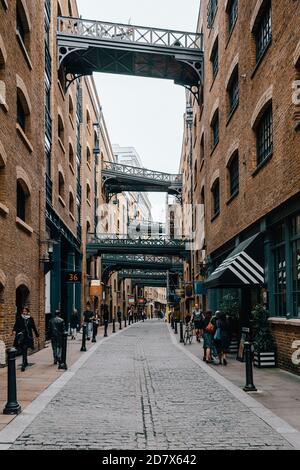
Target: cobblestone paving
139, 391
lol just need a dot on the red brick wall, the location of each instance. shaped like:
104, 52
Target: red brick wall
285, 335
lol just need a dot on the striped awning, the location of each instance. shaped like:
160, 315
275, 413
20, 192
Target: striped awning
243, 267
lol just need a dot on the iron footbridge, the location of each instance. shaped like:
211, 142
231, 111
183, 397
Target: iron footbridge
86, 46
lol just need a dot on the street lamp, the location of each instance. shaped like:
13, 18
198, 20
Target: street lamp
47, 259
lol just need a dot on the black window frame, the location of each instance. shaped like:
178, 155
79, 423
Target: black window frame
232, 12
212, 9
264, 136
263, 31
233, 91
234, 175
21, 202
215, 127
216, 198
21, 114
214, 59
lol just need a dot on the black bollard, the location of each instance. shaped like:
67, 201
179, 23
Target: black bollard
175, 329
83, 346
63, 360
105, 329
181, 331
12, 407
125, 323
114, 326
249, 387
120, 325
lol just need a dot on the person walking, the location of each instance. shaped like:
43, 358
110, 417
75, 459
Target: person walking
222, 338
87, 318
197, 319
208, 335
24, 328
119, 316
105, 318
74, 323
96, 323
130, 315
56, 332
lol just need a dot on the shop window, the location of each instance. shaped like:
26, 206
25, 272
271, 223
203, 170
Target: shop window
263, 29
264, 136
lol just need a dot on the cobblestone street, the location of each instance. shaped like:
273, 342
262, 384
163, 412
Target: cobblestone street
139, 391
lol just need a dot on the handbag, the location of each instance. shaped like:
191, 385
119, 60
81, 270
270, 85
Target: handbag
210, 328
20, 339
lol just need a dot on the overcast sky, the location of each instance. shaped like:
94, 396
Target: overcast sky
145, 113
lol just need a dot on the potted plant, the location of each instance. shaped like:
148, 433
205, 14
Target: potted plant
264, 344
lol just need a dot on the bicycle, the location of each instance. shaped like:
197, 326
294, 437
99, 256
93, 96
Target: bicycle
188, 334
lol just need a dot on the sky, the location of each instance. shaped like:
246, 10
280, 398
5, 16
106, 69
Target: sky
140, 112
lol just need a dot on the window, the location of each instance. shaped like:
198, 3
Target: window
264, 136
88, 192
22, 25
202, 148
232, 12
215, 129
88, 119
88, 155
280, 271
22, 196
71, 156
215, 59
71, 204
21, 115
61, 185
61, 129
263, 31
216, 198
70, 8
212, 8
71, 108
233, 169
295, 233
233, 91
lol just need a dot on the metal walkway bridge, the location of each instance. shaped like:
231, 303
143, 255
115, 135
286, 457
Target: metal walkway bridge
121, 244
86, 46
118, 178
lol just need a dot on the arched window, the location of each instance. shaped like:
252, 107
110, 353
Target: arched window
22, 298
234, 175
23, 201
61, 185
71, 156
215, 127
23, 110
3, 159
61, 129
71, 108
88, 192
3, 57
264, 135
214, 58
71, 204
233, 90
23, 24
216, 198
232, 14
262, 29
88, 155
88, 119
70, 8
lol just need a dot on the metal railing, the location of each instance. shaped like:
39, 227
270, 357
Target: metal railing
129, 33
154, 259
126, 239
120, 169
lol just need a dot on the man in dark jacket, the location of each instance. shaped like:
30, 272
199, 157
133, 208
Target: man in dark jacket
119, 315
88, 320
56, 331
24, 328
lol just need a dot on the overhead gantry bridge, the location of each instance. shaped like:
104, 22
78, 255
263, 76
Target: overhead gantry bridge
115, 263
121, 244
86, 46
118, 178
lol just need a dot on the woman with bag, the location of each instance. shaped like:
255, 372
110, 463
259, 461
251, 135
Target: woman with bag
24, 328
222, 337
208, 335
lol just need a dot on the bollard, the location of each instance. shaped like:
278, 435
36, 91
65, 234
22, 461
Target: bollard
181, 331
63, 360
12, 407
125, 323
249, 387
105, 328
120, 325
175, 328
83, 346
114, 326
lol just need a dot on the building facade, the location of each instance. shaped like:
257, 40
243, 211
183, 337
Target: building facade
22, 189
245, 146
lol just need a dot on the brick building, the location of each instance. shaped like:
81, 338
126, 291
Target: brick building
245, 144
22, 189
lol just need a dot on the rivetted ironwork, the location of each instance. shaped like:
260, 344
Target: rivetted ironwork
119, 244
86, 46
118, 178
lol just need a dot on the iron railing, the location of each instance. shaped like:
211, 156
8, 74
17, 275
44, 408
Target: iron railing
119, 169
129, 33
153, 259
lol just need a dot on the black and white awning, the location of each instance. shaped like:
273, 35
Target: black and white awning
244, 267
